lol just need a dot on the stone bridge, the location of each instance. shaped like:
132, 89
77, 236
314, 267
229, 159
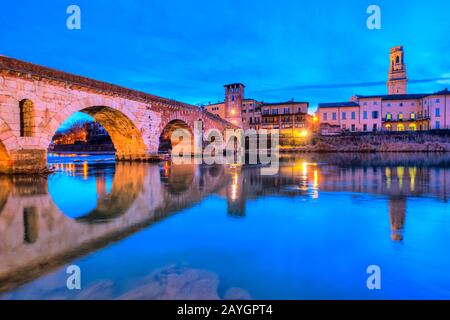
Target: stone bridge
35, 101
36, 236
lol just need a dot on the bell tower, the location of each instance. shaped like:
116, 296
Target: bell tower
397, 72
234, 94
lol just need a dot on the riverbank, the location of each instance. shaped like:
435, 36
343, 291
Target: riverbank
105, 153
376, 142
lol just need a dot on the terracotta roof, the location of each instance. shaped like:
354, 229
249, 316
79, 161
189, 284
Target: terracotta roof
283, 103
444, 92
234, 84
396, 96
338, 104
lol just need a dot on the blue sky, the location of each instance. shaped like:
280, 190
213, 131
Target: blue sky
186, 50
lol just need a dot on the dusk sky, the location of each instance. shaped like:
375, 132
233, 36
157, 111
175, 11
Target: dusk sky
187, 50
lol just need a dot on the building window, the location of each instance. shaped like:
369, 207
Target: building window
401, 104
412, 127
413, 116
286, 110
274, 111
438, 125
438, 112
364, 127
334, 116
375, 103
389, 117
325, 116
365, 104
353, 127
400, 116
388, 127
438, 100
365, 115
374, 114
388, 104
344, 116
232, 98
374, 127
353, 115
400, 127
26, 118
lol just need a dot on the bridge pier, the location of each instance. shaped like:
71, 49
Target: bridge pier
32, 161
25, 161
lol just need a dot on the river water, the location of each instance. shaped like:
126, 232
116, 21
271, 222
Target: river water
161, 231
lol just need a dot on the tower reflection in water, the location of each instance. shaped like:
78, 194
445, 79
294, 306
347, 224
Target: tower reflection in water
85, 205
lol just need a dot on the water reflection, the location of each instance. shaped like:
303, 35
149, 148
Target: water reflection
87, 205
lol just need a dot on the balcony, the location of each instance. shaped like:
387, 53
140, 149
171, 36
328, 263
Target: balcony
417, 118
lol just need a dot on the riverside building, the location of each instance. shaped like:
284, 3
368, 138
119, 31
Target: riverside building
290, 117
396, 111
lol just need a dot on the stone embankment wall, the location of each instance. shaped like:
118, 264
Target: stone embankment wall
432, 141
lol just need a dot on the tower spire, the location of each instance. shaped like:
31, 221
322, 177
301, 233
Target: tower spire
234, 94
397, 72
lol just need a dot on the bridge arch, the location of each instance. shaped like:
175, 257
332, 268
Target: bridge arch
166, 143
120, 123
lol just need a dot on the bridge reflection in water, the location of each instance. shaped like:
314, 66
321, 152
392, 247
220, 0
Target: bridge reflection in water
40, 232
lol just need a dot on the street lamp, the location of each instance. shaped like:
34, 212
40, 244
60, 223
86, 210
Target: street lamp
303, 133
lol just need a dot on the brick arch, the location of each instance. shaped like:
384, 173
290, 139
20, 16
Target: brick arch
188, 120
191, 117
164, 141
11, 124
120, 123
